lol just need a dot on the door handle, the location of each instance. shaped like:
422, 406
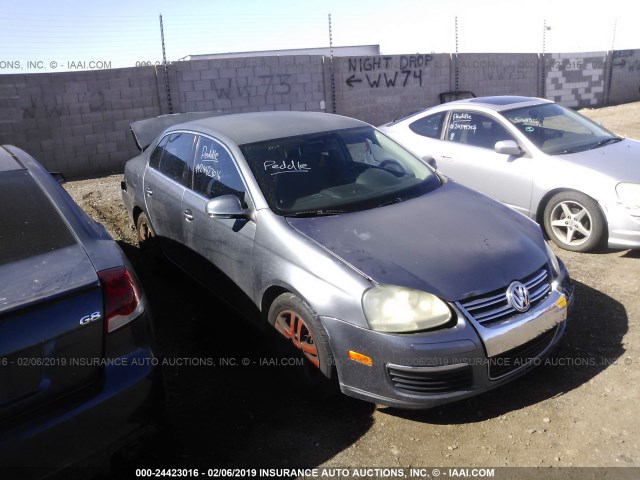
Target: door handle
148, 191
188, 214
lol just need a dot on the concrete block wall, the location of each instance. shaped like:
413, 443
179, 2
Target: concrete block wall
625, 77
576, 80
77, 123
498, 73
250, 84
379, 89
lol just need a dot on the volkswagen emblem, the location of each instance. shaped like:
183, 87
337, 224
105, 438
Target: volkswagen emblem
518, 296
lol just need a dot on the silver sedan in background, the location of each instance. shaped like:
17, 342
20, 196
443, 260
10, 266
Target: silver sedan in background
405, 288
574, 177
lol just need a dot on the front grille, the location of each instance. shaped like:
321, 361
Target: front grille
509, 361
493, 307
431, 380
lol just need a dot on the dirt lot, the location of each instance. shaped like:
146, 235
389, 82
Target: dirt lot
580, 409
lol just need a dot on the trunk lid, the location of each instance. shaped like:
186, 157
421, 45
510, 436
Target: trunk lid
51, 302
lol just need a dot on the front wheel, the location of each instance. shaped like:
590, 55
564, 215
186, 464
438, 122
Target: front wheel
574, 221
296, 322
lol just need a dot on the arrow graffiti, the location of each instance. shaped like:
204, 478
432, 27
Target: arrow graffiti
352, 79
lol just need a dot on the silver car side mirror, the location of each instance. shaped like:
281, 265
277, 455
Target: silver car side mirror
508, 147
225, 206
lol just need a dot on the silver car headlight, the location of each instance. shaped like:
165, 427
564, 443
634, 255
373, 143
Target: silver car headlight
553, 259
629, 194
402, 310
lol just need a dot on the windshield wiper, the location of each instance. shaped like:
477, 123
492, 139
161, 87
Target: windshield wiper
604, 141
315, 213
394, 200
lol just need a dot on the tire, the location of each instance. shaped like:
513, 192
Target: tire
296, 322
574, 222
147, 239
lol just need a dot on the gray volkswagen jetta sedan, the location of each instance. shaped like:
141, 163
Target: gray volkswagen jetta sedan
409, 289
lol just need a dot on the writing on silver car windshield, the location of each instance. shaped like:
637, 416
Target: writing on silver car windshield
290, 166
336, 172
557, 130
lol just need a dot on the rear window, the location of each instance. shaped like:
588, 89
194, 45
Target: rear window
29, 224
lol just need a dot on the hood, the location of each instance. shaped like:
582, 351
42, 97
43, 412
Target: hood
146, 131
620, 161
452, 242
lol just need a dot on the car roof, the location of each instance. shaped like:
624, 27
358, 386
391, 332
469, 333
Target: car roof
253, 127
500, 103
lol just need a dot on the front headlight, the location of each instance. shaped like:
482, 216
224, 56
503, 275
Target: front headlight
402, 310
553, 259
629, 194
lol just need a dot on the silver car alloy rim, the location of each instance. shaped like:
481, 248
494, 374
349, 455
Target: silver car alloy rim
571, 223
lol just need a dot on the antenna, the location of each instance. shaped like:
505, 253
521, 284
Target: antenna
332, 75
543, 70
457, 73
164, 62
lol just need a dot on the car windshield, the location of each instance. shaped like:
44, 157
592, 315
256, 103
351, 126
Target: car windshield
557, 130
336, 172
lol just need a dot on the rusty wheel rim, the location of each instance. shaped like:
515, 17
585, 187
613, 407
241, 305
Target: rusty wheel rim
144, 232
293, 327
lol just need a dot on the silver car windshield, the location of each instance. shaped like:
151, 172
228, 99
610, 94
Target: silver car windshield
336, 172
557, 130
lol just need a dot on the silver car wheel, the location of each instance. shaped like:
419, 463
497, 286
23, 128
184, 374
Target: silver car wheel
571, 222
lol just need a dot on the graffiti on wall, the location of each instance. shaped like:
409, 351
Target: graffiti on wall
626, 60
492, 70
261, 85
53, 106
388, 72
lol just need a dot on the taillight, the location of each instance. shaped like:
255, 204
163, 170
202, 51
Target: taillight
122, 300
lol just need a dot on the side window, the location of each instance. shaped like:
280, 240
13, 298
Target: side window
154, 160
430, 126
475, 129
177, 158
214, 171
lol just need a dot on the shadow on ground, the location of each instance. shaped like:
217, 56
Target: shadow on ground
591, 343
233, 401
232, 397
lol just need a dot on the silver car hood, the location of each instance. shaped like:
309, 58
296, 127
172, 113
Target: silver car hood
620, 160
452, 242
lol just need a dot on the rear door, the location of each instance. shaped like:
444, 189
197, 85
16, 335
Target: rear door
168, 172
51, 303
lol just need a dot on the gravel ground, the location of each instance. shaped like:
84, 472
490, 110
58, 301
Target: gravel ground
579, 409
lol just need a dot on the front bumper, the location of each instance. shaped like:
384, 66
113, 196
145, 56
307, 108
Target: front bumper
624, 226
427, 369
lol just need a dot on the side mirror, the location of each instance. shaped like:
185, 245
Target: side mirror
508, 147
431, 161
225, 206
